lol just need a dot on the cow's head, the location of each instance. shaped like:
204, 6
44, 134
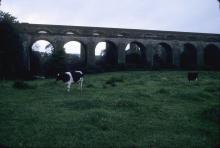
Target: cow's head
59, 76
63, 76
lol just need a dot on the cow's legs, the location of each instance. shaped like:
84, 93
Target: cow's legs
68, 87
80, 83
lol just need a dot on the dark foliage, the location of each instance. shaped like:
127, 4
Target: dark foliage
73, 62
189, 57
10, 47
211, 58
44, 64
56, 63
109, 58
35, 63
40, 63
136, 56
158, 62
133, 59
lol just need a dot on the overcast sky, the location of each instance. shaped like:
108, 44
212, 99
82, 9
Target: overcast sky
171, 15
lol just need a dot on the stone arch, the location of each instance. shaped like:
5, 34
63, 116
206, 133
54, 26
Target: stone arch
163, 56
188, 57
106, 54
135, 54
212, 57
40, 52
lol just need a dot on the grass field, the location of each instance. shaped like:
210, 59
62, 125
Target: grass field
122, 109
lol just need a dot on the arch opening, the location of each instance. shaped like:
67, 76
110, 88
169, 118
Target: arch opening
106, 54
212, 57
41, 51
75, 54
163, 56
188, 58
135, 55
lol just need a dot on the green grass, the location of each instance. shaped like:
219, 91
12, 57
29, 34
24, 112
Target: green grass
121, 109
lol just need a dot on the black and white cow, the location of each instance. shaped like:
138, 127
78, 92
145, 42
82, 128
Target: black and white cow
71, 77
192, 76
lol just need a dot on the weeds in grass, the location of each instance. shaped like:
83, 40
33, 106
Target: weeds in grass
211, 89
23, 85
90, 86
104, 86
212, 114
140, 93
82, 104
49, 83
98, 118
163, 91
113, 80
190, 96
2, 84
126, 104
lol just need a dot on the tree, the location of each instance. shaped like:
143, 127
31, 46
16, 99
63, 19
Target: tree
10, 46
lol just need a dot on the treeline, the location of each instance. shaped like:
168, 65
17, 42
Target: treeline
10, 47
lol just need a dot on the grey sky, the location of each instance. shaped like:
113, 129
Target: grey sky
172, 15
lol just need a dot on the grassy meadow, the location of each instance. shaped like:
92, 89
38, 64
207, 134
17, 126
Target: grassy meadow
121, 109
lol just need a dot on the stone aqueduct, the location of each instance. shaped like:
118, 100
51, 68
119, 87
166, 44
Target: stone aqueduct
89, 37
